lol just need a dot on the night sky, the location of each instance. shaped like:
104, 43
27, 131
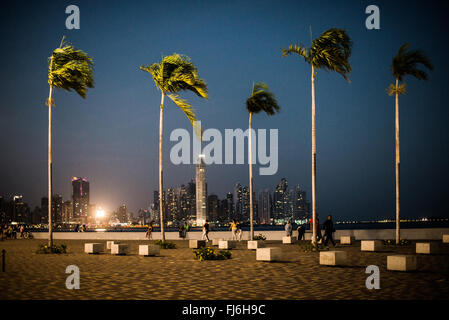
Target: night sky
111, 137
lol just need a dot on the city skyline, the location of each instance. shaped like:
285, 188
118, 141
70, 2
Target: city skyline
111, 138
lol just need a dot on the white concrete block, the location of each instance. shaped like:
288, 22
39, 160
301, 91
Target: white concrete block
347, 240
119, 248
289, 240
227, 244
426, 247
255, 244
372, 245
93, 247
196, 244
268, 254
445, 238
401, 263
109, 243
215, 241
149, 250
333, 258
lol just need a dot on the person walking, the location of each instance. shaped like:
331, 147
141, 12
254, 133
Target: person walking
239, 233
21, 230
288, 229
233, 227
206, 231
301, 232
328, 227
181, 231
149, 230
318, 230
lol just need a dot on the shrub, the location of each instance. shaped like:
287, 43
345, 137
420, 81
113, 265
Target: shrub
260, 237
45, 249
165, 244
207, 253
402, 242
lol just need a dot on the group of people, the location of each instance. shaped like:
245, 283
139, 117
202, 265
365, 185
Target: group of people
79, 228
328, 227
10, 232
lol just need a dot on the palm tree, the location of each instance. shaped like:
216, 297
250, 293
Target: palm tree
68, 68
331, 51
173, 74
404, 63
261, 99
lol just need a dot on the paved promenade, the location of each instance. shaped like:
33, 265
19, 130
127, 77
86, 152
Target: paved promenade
176, 275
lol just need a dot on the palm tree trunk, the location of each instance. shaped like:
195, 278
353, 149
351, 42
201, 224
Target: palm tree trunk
250, 158
313, 160
397, 162
50, 164
161, 185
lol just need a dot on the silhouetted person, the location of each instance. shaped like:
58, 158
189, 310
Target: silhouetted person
301, 232
328, 227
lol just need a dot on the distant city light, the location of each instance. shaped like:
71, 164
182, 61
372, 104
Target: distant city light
100, 213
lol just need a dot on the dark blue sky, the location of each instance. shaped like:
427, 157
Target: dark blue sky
111, 137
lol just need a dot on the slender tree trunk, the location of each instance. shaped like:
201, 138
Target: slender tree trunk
161, 178
50, 164
50, 167
397, 163
250, 158
313, 160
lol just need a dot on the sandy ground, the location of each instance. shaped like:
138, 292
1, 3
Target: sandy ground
175, 274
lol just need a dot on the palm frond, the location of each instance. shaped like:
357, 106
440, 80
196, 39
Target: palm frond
407, 62
331, 51
391, 90
70, 68
189, 112
262, 99
175, 73
298, 49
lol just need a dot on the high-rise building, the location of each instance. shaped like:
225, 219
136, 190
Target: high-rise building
212, 208
121, 214
265, 207
280, 202
172, 206
80, 198
201, 192
67, 211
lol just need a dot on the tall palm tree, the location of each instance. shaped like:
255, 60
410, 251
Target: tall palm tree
405, 62
173, 74
68, 68
331, 51
261, 99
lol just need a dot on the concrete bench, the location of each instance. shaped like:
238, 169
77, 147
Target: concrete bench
268, 254
255, 244
93, 247
333, 258
401, 263
289, 240
109, 243
119, 248
149, 250
216, 241
347, 239
445, 238
196, 244
426, 247
372, 245
227, 244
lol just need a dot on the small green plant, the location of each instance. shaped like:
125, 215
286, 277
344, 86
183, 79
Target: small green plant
402, 242
45, 249
207, 253
165, 244
310, 247
260, 237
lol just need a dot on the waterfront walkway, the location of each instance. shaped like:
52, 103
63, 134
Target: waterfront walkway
176, 275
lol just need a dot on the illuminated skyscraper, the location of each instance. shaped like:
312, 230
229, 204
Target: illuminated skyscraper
80, 198
201, 192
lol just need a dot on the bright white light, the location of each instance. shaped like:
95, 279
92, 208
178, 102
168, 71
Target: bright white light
100, 213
